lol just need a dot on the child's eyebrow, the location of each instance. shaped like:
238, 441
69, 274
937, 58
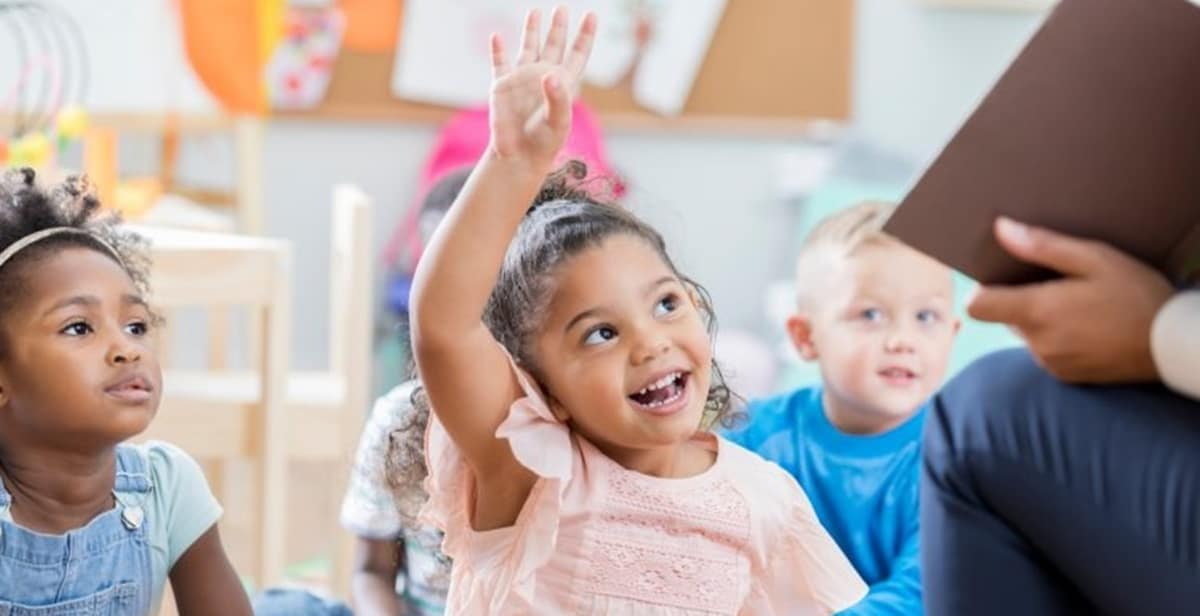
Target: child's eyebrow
86, 301
135, 300
91, 301
653, 286
591, 312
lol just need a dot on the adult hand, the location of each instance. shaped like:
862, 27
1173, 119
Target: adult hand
1091, 326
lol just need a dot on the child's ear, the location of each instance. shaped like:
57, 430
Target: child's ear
799, 327
552, 403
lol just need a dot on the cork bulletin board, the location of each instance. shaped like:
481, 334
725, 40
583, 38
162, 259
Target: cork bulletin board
771, 63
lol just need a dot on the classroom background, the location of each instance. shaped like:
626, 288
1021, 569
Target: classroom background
272, 149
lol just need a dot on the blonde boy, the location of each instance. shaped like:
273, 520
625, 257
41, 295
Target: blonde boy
878, 319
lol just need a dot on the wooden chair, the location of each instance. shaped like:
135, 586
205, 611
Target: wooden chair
243, 201
326, 410
218, 272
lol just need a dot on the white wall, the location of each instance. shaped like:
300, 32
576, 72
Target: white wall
918, 71
135, 55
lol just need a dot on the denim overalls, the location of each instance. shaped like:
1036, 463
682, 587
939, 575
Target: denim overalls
102, 569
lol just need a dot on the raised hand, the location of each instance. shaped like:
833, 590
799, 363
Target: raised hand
531, 101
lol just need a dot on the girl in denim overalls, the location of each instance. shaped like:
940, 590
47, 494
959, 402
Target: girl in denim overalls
89, 525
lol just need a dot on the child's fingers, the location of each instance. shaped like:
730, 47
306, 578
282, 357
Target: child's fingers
582, 48
558, 104
556, 40
499, 63
531, 37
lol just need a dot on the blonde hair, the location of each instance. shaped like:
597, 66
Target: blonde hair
839, 236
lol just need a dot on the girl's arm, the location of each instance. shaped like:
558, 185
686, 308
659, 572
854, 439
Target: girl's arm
205, 583
465, 373
376, 564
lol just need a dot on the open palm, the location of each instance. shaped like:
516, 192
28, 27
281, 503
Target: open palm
531, 101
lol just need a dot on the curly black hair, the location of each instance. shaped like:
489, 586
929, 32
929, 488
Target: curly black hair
27, 208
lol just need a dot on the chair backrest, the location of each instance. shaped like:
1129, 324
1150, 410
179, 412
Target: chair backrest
217, 271
350, 327
193, 268
350, 274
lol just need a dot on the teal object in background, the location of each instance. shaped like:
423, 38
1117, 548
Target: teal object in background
974, 339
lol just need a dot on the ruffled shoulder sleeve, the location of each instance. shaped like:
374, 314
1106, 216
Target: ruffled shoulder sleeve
800, 569
500, 565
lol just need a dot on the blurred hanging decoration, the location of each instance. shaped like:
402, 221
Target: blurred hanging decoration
42, 102
302, 64
228, 43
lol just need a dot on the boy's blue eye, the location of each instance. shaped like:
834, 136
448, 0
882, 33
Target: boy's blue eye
871, 314
927, 317
138, 328
599, 335
77, 329
666, 305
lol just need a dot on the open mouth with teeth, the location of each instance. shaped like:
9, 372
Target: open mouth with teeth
663, 392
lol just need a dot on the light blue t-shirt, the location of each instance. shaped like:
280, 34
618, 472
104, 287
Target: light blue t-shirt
863, 488
181, 507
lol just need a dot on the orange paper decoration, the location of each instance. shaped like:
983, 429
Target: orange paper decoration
372, 26
227, 43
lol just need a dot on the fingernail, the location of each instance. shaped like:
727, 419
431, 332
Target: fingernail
1012, 230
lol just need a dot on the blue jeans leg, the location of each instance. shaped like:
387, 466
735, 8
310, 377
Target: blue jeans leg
296, 602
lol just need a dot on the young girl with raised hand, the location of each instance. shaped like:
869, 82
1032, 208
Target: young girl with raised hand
89, 525
570, 372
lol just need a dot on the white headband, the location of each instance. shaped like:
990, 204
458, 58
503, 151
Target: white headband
24, 242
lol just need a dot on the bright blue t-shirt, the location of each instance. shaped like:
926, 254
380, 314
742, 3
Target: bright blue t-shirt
864, 490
